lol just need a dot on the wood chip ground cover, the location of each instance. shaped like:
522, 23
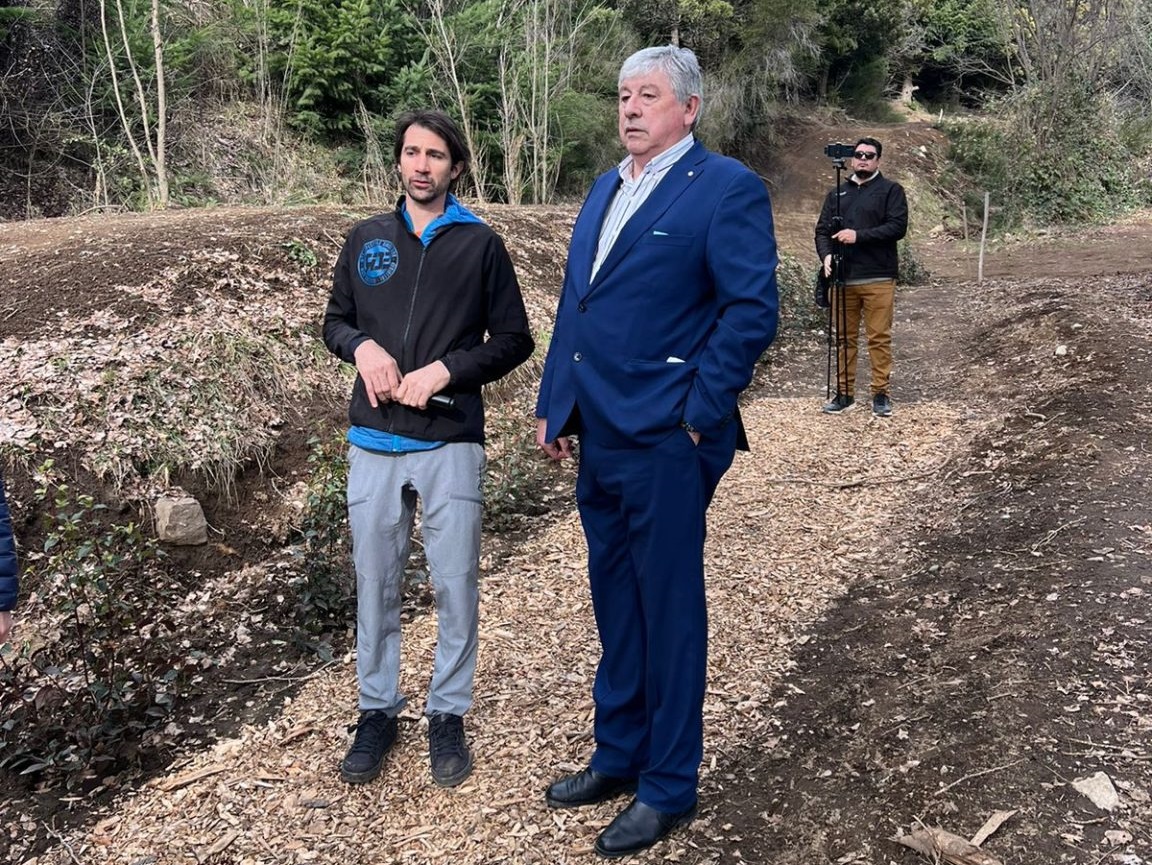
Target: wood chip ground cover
779, 553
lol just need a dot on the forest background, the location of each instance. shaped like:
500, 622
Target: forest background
139, 104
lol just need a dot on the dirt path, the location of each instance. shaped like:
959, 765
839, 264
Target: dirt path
1008, 656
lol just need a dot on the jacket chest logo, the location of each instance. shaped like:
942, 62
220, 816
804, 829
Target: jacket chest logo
378, 261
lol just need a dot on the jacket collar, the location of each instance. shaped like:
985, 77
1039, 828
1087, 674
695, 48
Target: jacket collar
454, 213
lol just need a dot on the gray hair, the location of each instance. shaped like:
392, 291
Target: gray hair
679, 64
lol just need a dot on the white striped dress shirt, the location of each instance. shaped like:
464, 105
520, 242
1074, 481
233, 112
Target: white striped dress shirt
633, 193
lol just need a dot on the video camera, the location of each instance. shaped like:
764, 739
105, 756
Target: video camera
838, 151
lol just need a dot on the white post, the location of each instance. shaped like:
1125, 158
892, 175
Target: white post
983, 237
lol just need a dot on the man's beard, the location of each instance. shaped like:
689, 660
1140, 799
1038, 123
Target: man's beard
864, 173
426, 195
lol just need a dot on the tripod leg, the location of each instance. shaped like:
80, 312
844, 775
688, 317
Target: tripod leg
829, 340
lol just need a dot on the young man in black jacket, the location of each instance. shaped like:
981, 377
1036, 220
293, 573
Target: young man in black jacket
426, 304
874, 214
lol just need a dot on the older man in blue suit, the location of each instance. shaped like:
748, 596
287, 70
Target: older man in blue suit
669, 298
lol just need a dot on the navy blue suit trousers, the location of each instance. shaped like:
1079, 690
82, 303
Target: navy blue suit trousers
643, 511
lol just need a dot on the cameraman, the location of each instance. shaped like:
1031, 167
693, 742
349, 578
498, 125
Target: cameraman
874, 214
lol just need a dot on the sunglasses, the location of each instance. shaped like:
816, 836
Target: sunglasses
860, 154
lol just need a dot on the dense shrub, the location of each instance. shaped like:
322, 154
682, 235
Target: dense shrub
863, 93
331, 57
796, 283
1049, 158
327, 583
107, 660
913, 270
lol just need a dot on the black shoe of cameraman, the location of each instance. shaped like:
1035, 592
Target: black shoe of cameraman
840, 403
881, 405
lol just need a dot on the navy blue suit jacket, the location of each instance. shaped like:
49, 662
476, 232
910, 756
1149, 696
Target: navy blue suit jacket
678, 314
9, 571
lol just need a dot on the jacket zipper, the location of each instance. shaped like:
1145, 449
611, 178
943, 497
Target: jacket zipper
411, 311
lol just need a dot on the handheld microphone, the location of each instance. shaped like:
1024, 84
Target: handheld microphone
442, 401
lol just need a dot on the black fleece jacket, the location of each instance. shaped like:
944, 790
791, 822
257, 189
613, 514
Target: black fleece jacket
427, 303
878, 212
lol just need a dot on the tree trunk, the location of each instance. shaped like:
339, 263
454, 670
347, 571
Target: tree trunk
125, 125
907, 90
161, 110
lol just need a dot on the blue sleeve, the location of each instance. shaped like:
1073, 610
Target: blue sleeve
9, 569
742, 263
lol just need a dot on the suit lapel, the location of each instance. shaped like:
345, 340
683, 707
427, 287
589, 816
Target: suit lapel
680, 176
586, 237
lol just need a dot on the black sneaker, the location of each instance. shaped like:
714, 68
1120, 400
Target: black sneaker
451, 759
839, 403
375, 735
881, 405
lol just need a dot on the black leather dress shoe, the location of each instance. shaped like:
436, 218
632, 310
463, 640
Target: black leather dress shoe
637, 828
587, 788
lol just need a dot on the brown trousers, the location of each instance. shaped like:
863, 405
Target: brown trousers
874, 302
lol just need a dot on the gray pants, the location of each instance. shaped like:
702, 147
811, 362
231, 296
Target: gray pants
382, 493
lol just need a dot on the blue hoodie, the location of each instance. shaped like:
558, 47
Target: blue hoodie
9, 573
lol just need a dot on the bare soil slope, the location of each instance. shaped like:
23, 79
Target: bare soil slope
916, 621
994, 649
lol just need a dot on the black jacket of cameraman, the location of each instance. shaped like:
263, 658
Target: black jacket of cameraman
877, 211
